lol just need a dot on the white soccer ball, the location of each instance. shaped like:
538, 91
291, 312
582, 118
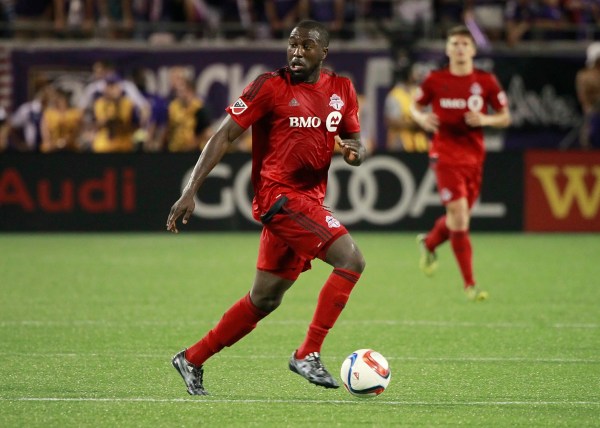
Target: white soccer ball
365, 373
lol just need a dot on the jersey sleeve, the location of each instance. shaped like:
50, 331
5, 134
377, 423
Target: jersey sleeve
424, 94
351, 124
255, 102
497, 97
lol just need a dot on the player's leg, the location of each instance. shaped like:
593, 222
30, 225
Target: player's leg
348, 264
446, 178
460, 240
280, 268
428, 244
312, 232
241, 318
439, 233
458, 212
458, 224
457, 215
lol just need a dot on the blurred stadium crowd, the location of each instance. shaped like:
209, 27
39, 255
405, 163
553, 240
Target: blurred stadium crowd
117, 114
112, 115
171, 20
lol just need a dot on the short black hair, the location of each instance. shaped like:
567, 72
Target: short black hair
320, 28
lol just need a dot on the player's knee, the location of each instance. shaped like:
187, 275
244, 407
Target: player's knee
458, 219
267, 303
268, 290
270, 305
355, 263
344, 254
360, 264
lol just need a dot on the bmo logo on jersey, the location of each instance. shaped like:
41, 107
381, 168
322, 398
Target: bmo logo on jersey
453, 103
305, 122
332, 122
474, 103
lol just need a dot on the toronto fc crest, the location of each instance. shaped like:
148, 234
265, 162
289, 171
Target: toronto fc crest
336, 102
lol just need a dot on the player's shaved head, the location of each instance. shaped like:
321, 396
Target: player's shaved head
320, 29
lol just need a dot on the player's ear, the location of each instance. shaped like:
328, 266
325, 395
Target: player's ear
325, 51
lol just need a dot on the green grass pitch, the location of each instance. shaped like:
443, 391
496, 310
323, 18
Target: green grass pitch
89, 323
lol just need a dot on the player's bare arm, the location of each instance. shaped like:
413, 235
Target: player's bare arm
501, 119
353, 150
587, 86
425, 119
212, 154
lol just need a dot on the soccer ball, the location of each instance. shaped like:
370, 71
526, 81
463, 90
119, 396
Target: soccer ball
365, 373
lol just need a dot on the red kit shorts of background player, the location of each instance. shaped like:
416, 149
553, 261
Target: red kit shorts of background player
458, 181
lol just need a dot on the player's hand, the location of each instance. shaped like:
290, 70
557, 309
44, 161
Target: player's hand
430, 122
184, 206
475, 119
352, 150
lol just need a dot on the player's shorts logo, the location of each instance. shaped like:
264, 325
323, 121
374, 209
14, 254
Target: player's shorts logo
332, 222
446, 194
238, 107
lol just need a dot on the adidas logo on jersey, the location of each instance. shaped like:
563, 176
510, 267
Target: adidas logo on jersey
294, 103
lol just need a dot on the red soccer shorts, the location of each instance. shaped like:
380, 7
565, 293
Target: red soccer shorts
300, 232
455, 182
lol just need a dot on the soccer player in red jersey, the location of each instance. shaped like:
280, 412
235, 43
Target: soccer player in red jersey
298, 114
459, 96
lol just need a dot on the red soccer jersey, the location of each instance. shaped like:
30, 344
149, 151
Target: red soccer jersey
293, 129
451, 97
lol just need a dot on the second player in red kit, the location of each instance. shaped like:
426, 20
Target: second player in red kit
463, 100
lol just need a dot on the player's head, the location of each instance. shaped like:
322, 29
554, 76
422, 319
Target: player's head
102, 68
185, 89
61, 98
593, 54
307, 48
460, 45
113, 89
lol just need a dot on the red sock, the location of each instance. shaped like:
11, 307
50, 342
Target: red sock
438, 235
461, 245
237, 322
332, 300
